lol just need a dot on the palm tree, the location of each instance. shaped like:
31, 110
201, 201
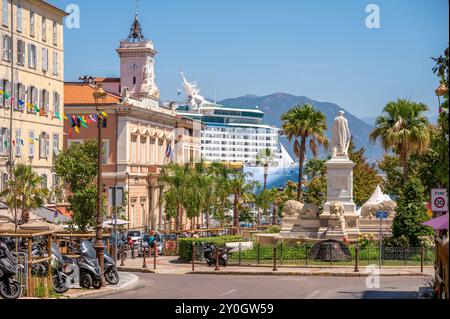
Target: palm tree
176, 179
220, 190
404, 129
24, 192
238, 186
265, 158
302, 123
263, 200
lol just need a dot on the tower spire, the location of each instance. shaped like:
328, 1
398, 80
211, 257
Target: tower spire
136, 30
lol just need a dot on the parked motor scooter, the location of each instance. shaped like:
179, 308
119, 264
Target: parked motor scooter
60, 280
209, 252
110, 268
89, 268
9, 287
111, 274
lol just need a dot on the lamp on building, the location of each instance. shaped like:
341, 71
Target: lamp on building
99, 98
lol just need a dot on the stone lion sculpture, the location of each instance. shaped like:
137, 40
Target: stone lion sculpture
336, 208
368, 210
310, 210
292, 207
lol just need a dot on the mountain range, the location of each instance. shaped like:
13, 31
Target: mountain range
275, 105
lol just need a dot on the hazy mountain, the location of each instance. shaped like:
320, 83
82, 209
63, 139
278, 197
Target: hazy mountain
275, 105
369, 120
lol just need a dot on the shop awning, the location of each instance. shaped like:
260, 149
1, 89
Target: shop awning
438, 223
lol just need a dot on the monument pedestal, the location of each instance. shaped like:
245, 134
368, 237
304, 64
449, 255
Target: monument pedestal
299, 227
335, 228
340, 189
372, 226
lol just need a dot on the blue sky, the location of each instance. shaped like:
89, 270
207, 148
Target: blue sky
320, 49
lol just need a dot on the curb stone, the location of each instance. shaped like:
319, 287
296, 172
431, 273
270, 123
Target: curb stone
139, 270
325, 274
107, 291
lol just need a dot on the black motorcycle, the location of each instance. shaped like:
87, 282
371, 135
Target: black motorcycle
9, 287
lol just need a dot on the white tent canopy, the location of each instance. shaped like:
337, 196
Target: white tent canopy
112, 222
378, 197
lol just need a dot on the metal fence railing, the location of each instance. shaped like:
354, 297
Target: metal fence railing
300, 255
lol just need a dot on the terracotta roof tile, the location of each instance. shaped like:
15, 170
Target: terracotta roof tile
107, 80
81, 94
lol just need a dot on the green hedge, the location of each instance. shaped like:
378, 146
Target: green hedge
185, 244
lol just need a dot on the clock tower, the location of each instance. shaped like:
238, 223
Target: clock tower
137, 65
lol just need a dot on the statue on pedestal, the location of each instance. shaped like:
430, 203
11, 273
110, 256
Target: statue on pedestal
195, 100
340, 136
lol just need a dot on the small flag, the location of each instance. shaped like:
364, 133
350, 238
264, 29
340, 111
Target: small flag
77, 130
104, 114
65, 116
169, 153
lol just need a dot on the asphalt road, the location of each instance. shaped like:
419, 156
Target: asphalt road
268, 287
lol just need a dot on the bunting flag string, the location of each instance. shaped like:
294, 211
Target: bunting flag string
84, 120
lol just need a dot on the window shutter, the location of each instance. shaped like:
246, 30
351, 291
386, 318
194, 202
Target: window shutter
31, 144
56, 102
29, 56
1, 140
2, 88
16, 96
41, 145
46, 102
47, 145
8, 90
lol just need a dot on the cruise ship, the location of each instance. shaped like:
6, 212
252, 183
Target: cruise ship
235, 135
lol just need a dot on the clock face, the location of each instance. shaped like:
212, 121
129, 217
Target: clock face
134, 66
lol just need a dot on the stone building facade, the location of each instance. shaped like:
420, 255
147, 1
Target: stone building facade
31, 85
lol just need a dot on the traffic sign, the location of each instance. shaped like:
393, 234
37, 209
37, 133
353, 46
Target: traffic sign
382, 215
439, 200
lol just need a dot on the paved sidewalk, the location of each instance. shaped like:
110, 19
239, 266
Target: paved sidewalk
169, 265
127, 281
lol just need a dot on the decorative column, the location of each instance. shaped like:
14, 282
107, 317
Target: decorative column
160, 220
150, 202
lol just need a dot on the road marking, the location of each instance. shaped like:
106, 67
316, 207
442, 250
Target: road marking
313, 294
228, 292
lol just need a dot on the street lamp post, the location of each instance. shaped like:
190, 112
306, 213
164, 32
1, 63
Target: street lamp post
99, 96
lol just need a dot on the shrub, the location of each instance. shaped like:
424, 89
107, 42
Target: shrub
273, 229
401, 241
185, 244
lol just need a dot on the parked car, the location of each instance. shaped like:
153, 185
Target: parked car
136, 236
